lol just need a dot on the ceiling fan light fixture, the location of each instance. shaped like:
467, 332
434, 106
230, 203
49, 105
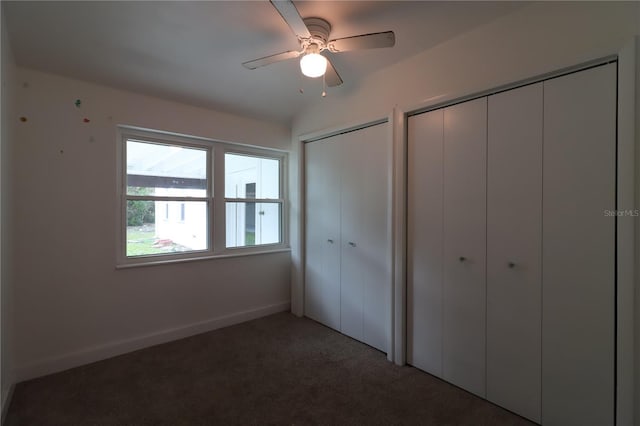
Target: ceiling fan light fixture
313, 64
314, 37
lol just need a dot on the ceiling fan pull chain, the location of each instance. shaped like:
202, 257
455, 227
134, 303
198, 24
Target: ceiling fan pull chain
324, 86
301, 81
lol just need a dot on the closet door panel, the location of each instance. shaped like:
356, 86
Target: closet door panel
322, 271
424, 241
578, 302
352, 273
374, 148
514, 239
365, 239
464, 316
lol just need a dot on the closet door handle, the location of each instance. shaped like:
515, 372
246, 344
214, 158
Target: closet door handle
352, 244
330, 241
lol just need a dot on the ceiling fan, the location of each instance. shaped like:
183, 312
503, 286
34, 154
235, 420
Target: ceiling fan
313, 35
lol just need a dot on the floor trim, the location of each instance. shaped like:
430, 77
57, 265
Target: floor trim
97, 353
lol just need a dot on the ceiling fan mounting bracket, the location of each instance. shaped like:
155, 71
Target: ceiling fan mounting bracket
319, 30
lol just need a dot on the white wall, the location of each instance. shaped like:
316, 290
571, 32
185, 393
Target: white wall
6, 118
533, 40
71, 305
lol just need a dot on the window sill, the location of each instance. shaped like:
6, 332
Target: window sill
199, 258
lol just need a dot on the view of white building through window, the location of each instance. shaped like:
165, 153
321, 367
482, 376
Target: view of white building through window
253, 206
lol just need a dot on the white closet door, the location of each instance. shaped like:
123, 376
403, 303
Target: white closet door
352, 274
424, 241
322, 271
464, 326
365, 272
579, 248
375, 150
514, 239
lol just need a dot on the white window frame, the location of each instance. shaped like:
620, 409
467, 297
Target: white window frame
281, 200
215, 197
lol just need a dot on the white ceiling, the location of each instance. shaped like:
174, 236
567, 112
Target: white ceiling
192, 51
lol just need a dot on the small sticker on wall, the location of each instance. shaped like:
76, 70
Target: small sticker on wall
23, 119
77, 103
85, 120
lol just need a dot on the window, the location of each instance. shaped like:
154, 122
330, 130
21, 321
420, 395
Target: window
161, 177
253, 201
167, 192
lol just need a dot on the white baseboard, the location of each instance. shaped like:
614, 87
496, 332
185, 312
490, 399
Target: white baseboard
97, 353
6, 400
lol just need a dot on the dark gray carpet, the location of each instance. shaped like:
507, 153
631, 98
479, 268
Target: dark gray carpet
275, 370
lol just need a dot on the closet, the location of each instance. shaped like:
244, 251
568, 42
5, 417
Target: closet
348, 248
447, 243
322, 272
464, 242
578, 256
510, 257
514, 244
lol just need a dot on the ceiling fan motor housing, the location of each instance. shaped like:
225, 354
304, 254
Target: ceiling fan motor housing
319, 30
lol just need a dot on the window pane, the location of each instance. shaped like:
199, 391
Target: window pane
166, 170
161, 227
245, 175
252, 224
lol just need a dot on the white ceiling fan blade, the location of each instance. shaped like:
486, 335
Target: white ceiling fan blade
331, 76
365, 41
267, 60
292, 17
